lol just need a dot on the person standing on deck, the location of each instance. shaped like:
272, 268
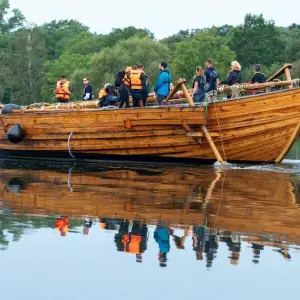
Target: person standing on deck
162, 86
122, 82
88, 90
138, 86
212, 80
63, 90
198, 93
258, 77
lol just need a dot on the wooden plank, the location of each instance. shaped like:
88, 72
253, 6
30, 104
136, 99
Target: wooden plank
279, 72
289, 144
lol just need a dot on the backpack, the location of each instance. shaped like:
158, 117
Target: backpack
119, 78
211, 81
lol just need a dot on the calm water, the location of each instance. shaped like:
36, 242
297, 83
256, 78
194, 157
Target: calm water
110, 231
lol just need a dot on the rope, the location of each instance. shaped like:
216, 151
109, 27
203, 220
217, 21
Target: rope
220, 199
108, 107
69, 179
69, 148
220, 132
34, 105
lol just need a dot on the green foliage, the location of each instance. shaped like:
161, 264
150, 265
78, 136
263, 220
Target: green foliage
13, 22
108, 62
194, 51
32, 59
58, 35
257, 41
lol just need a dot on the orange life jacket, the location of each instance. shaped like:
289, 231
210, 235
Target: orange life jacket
135, 80
132, 243
63, 93
102, 94
126, 78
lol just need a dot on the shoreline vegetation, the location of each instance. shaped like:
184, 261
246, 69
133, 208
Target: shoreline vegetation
33, 58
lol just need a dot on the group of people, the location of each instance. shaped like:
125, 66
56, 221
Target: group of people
206, 81
133, 82
132, 238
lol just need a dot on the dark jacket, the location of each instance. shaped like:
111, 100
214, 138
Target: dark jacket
233, 77
211, 79
109, 100
201, 83
87, 90
259, 78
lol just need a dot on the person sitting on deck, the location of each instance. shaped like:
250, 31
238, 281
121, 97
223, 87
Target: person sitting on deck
258, 77
63, 90
234, 76
111, 97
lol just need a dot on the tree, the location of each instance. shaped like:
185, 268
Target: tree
25, 63
59, 33
257, 41
16, 21
291, 39
193, 52
118, 34
66, 64
108, 62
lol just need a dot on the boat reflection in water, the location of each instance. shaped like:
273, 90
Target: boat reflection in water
173, 207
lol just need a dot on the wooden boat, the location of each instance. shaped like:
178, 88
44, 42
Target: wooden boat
246, 201
259, 128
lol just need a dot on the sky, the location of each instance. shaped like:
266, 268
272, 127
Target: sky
163, 18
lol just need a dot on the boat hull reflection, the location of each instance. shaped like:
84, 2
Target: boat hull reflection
251, 202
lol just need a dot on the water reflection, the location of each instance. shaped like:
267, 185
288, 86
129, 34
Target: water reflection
172, 208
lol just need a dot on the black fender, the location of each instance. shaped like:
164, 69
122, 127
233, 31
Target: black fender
8, 108
15, 134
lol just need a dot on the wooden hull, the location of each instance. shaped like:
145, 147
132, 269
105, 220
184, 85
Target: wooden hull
259, 128
251, 202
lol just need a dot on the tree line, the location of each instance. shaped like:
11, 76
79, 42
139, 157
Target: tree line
32, 58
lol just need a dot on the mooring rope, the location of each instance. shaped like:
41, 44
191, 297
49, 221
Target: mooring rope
220, 132
69, 148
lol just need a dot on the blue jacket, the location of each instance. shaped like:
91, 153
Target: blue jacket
110, 100
162, 238
162, 86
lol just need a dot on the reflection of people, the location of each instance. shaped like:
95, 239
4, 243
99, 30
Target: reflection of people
234, 245
87, 224
284, 252
162, 238
109, 223
62, 224
256, 252
211, 248
199, 241
179, 241
134, 242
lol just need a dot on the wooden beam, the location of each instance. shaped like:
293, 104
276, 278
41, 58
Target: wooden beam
212, 145
186, 94
288, 75
176, 88
280, 72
